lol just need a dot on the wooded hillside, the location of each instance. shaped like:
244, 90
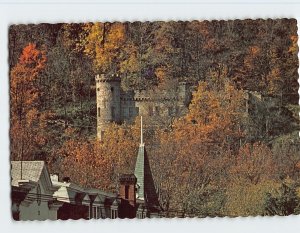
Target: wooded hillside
204, 162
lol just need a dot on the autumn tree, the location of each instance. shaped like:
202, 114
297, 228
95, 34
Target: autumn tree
139, 59
196, 152
184, 172
215, 113
253, 164
103, 42
28, 124
92, 163
248, 199
207, 162
286, 154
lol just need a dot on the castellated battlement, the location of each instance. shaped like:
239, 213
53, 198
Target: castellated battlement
108, 78
156, 106
155, 95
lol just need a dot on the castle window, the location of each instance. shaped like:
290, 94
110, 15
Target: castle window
124, 112
98, 89
104, 103
126, 191
99, 113
137, 110
101, 135
247, 105
112, 93
170, 111
131, 111
150, 111
113, 112
156, 110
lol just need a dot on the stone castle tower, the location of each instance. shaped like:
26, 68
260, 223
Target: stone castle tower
108, 101
156, 106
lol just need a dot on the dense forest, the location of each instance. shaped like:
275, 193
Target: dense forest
204, 162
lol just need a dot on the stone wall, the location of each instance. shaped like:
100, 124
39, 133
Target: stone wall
261, 112
156, 106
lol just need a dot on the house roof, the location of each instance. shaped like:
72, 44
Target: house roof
68, 185
94, 191
70, 192
31, 171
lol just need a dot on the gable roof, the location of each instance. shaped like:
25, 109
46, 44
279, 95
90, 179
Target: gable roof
31, 170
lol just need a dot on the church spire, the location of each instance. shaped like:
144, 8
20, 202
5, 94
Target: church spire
146, 191
142, 143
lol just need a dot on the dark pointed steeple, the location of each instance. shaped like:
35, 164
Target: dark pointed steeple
145, 185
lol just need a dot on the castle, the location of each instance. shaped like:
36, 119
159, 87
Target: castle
156, 106
159, 106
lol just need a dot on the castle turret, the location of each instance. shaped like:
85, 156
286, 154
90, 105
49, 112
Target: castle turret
108, 101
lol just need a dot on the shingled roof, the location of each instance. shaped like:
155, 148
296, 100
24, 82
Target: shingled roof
31, 170
146, 190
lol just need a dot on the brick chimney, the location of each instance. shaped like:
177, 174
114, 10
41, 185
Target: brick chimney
127, 189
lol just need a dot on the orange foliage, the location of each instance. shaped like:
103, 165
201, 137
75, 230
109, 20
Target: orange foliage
196, 153
27, 123
214, 116
254, 163
98, 164
294, 47
253, 53
254, 50
33, 58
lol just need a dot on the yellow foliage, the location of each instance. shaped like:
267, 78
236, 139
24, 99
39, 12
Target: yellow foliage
213, 115
294, 47
102, 43
161, 73
248, 199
